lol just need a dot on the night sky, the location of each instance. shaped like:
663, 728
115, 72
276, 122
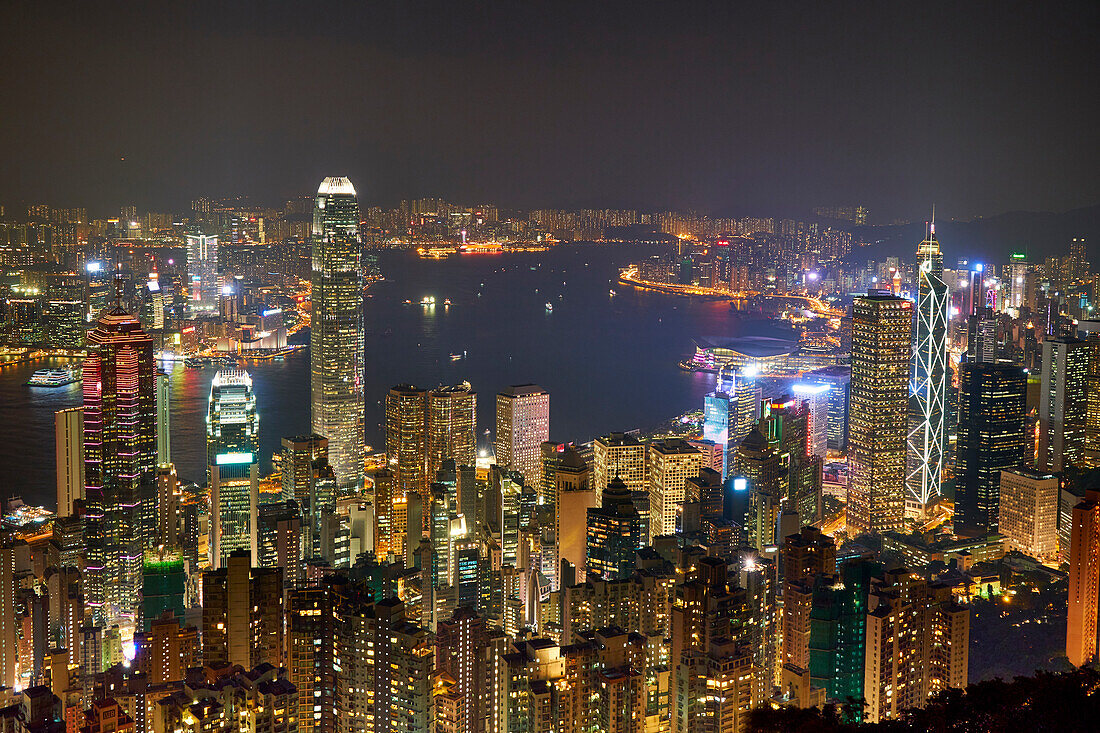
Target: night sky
733, 109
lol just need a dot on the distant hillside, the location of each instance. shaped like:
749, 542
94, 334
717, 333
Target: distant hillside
1039, 234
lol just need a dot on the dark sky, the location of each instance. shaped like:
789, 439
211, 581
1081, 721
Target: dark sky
737, 108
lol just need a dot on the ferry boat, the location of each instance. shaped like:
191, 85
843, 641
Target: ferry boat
458, 357
55, 377
549, 307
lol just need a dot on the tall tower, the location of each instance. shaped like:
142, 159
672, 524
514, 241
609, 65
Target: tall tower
928, 384
452, 423
336, 329
406, 437
523, 425
202, 269
69, 448
882, 329
120, 450
232, 451
991, 438
1063, 403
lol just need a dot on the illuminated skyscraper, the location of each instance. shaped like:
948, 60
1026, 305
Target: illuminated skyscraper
232, 445
928, 384
202, 269
671, 463
882, 328
120, 449
991, 438
336, 329
817, 398
1083, 614
523, 425
407, 436
452, 423
69, 449
1063, 403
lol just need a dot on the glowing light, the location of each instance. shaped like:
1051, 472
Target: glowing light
740, 484
233, 458
94, 266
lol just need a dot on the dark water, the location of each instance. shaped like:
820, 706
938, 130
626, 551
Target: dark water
609, 363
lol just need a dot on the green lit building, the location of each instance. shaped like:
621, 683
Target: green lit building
162, 587
838, 626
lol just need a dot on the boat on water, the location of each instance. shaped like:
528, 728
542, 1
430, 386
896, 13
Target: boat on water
549, 307
458, 357
55, 377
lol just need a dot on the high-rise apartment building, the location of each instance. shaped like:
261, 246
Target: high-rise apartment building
992, 422
242, 614
1028, 516
462, 652
69, 453
918, 640
120, 444
804, 557
336, 329
407, 437
671, 462
1083, 616
523, 425
452, 427
232, 453
878, 419
1063, 403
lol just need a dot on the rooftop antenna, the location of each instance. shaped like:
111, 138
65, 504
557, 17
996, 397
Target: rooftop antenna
933, 229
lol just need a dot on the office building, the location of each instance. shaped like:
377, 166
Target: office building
991, 429
804, 557
406, 438
120, 443
164, 419
838, 378
1063, 403
69, 450
202, 271
242, 614
878, 418
1028, 514
618, 455
670, 463
981, 336
615, 533
928, 382
232, 452
336, 333
523, 425
452, 424
573, 497
1083, 614
300, 458
759, 466
816, 397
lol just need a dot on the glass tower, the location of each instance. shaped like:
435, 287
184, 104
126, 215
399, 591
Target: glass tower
928, 381
232, 444
120, 451
336, 323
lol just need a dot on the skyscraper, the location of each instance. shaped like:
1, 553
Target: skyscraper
1029, 512
523, 425
1063, 403
991, 438
615, 533
202, 269
232, 453
928, 384
1083, 614
120, 446
69, 450
452, 423
882, 329
671, 463
407, 437
336, 329
242, 614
